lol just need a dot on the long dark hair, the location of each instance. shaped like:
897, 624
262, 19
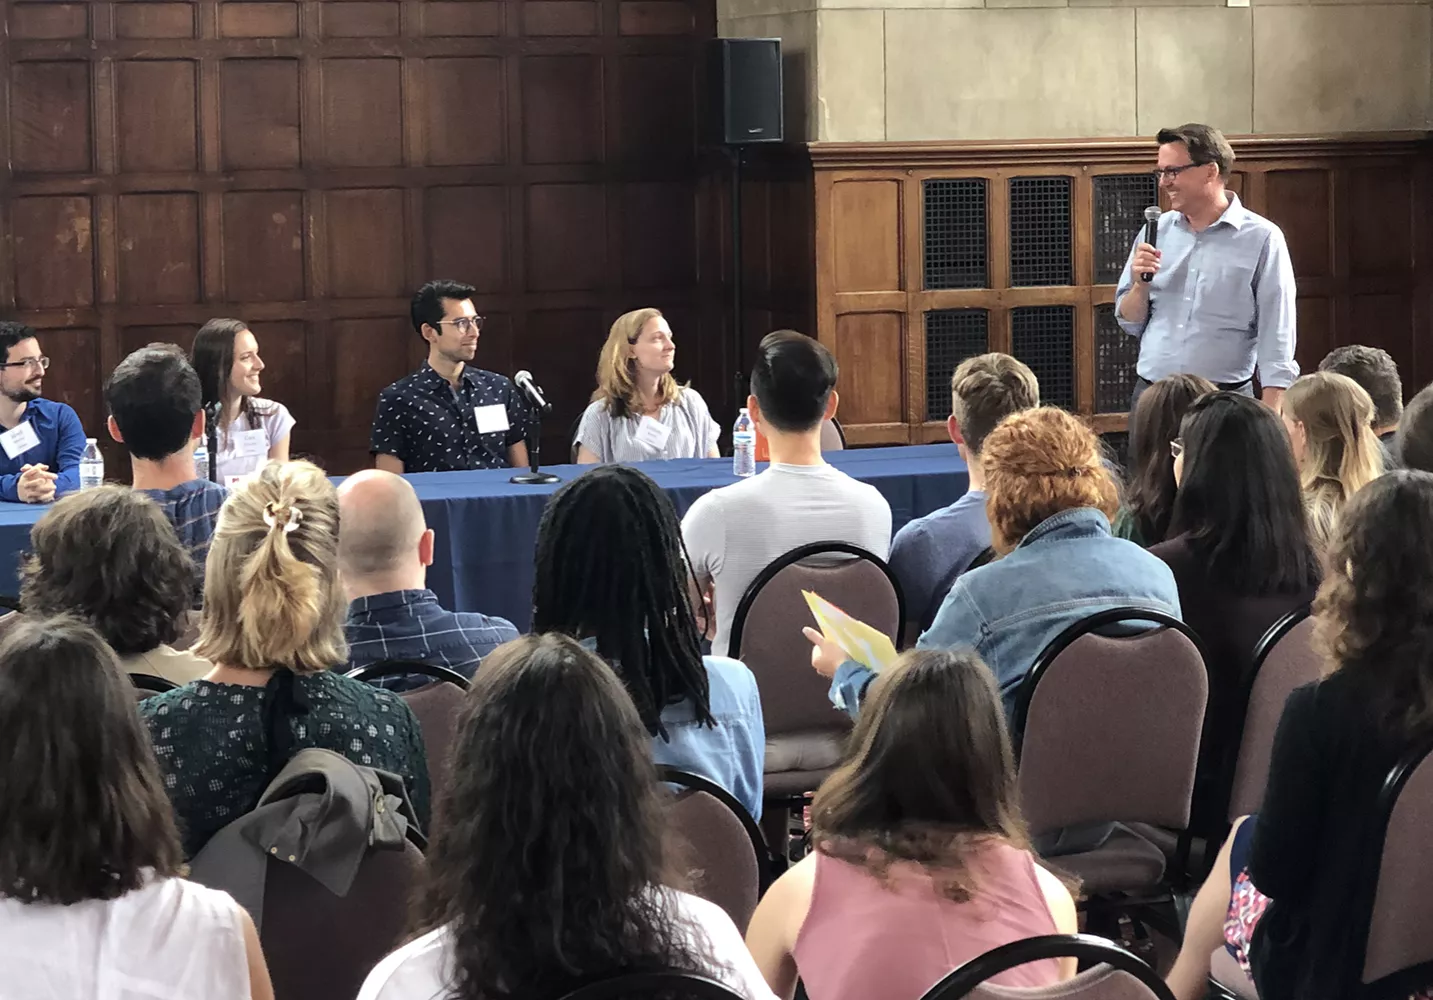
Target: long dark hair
929, 773
1375, 609
1155, 422
611, 565
1239, 503
85, 812
548, 838
213, 358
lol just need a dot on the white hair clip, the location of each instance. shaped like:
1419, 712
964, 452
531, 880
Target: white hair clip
272, 511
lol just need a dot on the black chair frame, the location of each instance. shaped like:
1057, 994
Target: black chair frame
1090, 950
643, 984
840, 432
149, 682
404, 668
765, 863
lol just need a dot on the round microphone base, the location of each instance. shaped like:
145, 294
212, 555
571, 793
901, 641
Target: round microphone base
535, 479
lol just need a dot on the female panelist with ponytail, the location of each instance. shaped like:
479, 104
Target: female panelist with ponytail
252, 430
273, 628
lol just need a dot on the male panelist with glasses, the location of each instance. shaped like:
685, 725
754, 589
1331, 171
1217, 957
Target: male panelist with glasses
1213, 293
42, 440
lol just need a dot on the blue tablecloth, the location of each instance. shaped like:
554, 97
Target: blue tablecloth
487, 527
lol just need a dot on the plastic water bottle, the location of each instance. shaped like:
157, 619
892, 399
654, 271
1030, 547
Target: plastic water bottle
91, 465
743, 439
201, 459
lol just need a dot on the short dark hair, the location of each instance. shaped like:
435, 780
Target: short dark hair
1205, 143
153, 396
85, 808
427, 306
11, 333
985, 390
792, 379
1375, 370
110, 557
1415, 431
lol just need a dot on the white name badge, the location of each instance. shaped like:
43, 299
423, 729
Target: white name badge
19, 440
491, 419
252, 444
652, 433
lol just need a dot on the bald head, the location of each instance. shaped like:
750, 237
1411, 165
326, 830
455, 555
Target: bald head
381, 534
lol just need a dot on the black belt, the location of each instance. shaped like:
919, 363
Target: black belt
1222, 386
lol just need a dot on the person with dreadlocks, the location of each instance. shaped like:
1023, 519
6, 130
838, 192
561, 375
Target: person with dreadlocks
612, 572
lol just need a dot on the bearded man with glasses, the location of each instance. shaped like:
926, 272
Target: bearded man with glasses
1217, 297
41, 441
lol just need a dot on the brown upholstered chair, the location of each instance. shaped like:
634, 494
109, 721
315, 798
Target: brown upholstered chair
1116, 974
654, 986
148, 684
1107, 730
435, 705
833, 438
727, 859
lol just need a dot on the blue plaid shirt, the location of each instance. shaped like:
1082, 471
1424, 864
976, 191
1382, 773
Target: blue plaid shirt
193, 509
412, 625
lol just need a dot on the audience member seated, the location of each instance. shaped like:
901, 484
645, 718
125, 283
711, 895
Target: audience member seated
733, 533
109, 557
1330, 423
1375, 370
1149, 501
384, 550
155, 412
639, 412
930, 552
547, 867
1415, 432
1239, 549
921, 861
273, 628
252, 431
1049, 496
610, 572
92, 902
1336, 743
41, 440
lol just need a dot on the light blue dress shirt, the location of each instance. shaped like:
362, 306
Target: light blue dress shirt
1223, 300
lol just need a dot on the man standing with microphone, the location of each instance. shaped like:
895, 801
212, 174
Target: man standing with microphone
1216, 298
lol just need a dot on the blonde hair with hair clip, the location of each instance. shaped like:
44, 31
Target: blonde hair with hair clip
1341, 453
615, 383
271, 593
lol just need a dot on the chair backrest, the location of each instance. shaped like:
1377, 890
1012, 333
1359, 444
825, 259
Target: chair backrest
766, 627
1284, 659
833, 438
320, 946
436, 706
1118, 975
671, 985
384, 669
148, 684
728, 860
1107, 727
1400, 924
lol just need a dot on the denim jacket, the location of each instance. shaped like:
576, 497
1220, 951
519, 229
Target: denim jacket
1066, 568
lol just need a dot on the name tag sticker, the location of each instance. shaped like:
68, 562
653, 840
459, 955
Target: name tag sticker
652, 433
491, 419
19, 440
252, 444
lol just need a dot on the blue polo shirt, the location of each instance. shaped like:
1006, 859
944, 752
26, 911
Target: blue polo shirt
62, 442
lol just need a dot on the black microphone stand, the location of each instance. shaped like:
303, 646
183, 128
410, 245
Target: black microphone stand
534, 447
211, 433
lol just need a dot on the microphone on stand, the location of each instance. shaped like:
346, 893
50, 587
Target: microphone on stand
533, 392
1151, 233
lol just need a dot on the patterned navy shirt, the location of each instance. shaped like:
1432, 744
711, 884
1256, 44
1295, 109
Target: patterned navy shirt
412, 625
193, 509
432, 427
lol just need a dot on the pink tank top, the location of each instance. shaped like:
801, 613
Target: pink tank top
861, 939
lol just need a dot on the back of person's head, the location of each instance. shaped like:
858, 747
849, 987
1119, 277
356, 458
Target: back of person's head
153, 396
1239, 500
1415, 432
1375, 608
1341, 453
1037, 464
213, 356
611, 566
85, 815
985, 390
381, 523
548, 838
271, 593
928, 771
616, 384
1375, 370
110, 557
792, 379
1153, 425
427, 304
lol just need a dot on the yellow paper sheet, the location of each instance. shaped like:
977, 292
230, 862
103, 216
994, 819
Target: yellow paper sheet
868, 646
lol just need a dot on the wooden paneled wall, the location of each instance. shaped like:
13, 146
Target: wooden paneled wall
1354, 210
306, 164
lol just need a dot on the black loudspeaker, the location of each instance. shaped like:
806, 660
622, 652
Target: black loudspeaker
746, 90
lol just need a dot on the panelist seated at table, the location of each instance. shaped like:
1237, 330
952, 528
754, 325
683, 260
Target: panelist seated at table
447, 415
252, 431
41, 441
639, 412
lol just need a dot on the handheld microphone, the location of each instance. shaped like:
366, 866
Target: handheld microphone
1151, 233
531, 390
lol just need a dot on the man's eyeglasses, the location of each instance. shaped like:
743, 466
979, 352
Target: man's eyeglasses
1159, 173
39, 363
465, 324
1176, 448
